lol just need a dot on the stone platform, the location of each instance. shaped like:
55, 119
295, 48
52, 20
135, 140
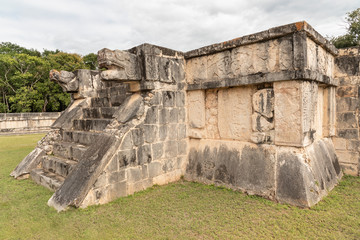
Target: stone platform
256, 114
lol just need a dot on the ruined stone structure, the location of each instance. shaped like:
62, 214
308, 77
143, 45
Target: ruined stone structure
25, 123
347, 141
255, 114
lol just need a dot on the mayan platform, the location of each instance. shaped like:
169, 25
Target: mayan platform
270, 114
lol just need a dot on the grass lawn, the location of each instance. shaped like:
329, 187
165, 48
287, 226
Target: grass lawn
182, 210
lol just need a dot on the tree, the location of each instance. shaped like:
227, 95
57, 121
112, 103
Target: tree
11, 48
352, 37
90, 61
24, 78
54, 97
65, 61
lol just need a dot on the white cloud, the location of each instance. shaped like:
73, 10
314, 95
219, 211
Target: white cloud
85, 26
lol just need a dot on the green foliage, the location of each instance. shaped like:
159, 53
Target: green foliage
24, 78
353, 20
352, 37
11, 48
90, 61
65, 61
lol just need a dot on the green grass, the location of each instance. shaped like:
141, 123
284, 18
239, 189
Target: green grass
182, 210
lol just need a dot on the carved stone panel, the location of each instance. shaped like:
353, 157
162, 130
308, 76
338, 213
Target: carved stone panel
234, 113
288, 113
295, 112
196, 108
121, 65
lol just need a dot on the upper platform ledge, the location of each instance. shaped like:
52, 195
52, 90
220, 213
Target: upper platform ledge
271, 33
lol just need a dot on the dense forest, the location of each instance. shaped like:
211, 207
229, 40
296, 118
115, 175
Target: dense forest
24, 78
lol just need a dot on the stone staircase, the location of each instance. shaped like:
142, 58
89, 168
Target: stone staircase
152, 115
124, 131
67, 152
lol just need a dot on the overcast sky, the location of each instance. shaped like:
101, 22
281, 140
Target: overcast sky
79, 26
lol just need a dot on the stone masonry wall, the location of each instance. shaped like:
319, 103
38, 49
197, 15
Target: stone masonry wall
255, 114
347, 140
154, 149
260, 117
22, 123
235, 143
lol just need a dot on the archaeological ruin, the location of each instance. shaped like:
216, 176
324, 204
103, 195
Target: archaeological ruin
273, 114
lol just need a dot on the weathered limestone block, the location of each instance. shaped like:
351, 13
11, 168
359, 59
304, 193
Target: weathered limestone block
309, 105
211, 105
270, 56
339, 143
155, 169
196, 133
347, 65
89, 83
244, 63
171, 70
30, 162
67, 80
127, 157
295, 108
131, 107
152, 67
287, 107
81, 83
319, 114
329, 117
138, 186
168, 177
196, 108
318, 59
303, 179
293, 183
219, 66
164, 69
159, 64
263, 116
258, 137
312, 62
261, 124
285, 53
234, 113
263, 102
349, 161
121, 65
195, 69
237, 165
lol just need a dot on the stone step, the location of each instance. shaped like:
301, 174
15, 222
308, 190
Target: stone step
100, 102
68, 150
80, 137
117, 95
47, 179
103, 93
91, 124
104, 112
117, 100
60, 166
